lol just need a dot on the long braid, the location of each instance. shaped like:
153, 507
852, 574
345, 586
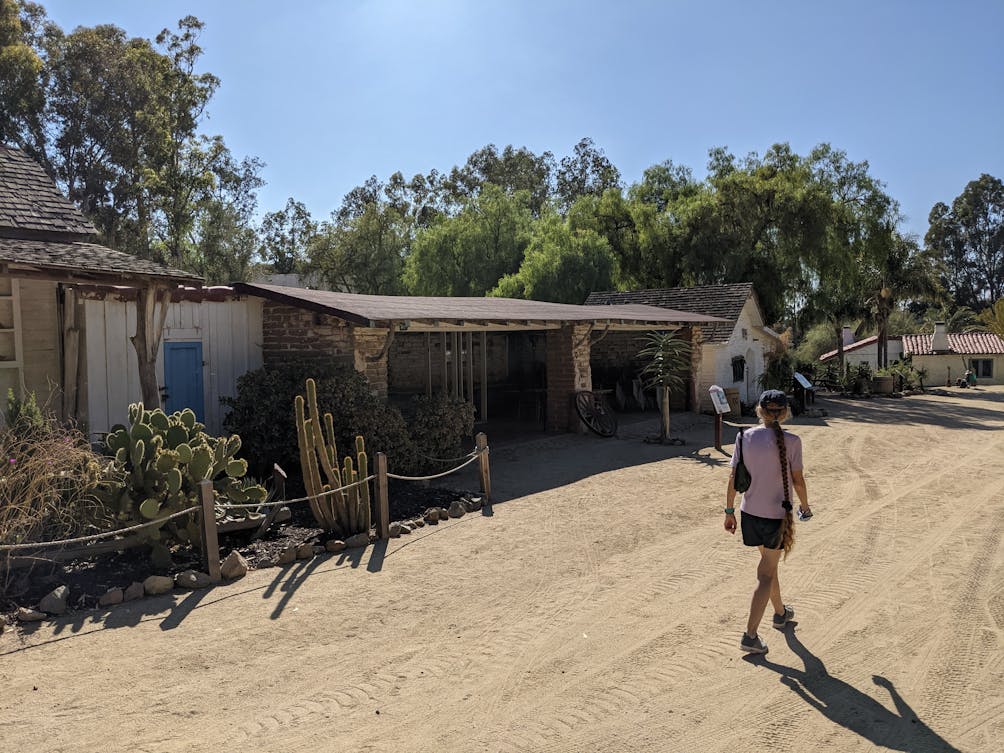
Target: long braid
786, 533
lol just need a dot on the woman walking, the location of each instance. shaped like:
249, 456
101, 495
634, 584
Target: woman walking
773, 458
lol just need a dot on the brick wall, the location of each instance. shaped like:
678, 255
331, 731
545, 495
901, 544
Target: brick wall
567, 371
290, 332
293, 333
616, 356
371, 358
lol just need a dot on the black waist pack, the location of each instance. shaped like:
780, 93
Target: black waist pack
741, 479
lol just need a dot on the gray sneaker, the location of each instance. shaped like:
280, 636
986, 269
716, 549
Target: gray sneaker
754, 645
780, 620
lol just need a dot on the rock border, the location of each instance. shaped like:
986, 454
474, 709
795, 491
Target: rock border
235, 566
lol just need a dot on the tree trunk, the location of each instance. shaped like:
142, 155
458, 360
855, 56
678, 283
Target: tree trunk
146, 341
664, 429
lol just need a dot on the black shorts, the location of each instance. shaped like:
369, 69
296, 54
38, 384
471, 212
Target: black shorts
759, 531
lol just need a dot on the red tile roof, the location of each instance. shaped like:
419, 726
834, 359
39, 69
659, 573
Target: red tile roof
967, 343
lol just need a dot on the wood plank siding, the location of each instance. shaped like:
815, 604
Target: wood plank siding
231, 337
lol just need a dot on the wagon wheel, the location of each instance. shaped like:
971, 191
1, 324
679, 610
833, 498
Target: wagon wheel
596, 413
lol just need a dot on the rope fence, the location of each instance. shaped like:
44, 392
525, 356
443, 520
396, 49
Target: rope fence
282, 502
470, 459
96, 536
209, 528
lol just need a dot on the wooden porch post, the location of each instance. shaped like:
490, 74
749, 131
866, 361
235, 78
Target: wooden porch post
484, 376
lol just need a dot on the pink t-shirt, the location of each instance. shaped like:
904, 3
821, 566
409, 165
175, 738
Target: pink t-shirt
760, 454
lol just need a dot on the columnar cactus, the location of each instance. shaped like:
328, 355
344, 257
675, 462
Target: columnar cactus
343, 512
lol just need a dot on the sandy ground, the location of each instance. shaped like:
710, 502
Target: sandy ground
596, 606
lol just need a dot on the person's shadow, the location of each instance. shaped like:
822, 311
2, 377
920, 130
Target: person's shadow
849, 707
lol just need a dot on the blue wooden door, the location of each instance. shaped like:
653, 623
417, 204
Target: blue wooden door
183, 377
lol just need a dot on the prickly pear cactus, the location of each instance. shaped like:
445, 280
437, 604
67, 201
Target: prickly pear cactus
344, 512
163, 458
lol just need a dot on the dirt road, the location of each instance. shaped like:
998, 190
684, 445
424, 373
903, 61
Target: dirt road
597, 609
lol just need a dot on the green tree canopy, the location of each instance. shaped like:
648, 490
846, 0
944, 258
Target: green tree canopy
115, 120
467, 254
363, 254
286, 235
969, 238
561, 265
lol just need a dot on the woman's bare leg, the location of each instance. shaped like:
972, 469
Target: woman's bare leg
775, 595
766, 575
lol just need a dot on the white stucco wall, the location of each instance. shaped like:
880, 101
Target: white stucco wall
938, 368
869, 354
747, 340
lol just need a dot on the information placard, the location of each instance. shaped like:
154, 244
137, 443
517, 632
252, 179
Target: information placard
805, 383
719, 400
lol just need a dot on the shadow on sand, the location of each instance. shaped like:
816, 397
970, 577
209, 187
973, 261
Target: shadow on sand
847, 706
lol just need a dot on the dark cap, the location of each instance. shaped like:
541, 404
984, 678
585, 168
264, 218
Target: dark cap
773, 397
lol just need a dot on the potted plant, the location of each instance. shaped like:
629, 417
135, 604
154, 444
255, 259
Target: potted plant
884, 382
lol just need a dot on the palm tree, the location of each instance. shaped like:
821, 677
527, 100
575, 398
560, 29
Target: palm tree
897, 272
668, 359
961, 319
993, 319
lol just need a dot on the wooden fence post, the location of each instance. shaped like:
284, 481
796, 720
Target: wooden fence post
210, 539
718, 431
382, 499
279, 481
484, 470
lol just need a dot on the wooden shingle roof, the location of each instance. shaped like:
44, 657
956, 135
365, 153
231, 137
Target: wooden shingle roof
723, 301
42, 234
30, 203
385, 310
78, 260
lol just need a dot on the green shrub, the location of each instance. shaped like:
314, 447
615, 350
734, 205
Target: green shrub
440, 428
778, 371
262, 413
24, 415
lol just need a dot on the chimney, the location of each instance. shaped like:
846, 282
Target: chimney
848, 335
939, 343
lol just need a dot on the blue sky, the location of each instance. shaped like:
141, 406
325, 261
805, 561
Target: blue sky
329, 93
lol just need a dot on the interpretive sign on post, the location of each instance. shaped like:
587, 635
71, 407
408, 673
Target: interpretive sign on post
721, 404
719, 400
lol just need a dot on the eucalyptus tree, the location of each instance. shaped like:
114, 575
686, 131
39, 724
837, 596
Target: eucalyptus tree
512, 169
286, 235
587, 171
969, 238
22, 93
